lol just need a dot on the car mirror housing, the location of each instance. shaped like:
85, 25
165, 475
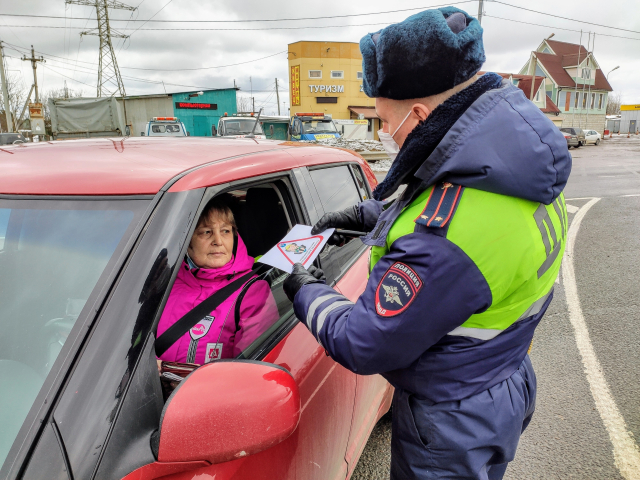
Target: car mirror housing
226, 410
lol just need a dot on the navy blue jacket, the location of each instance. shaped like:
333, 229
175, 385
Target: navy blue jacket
502, 144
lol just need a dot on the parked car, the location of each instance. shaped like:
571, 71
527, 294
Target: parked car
165, 127
94, 232
11, 138
578, 132
572, 140
591, 136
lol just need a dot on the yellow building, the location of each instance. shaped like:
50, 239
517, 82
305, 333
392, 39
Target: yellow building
326, 77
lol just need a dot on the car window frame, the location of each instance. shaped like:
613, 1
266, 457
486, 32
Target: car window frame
336, 272
300, 213
53, 385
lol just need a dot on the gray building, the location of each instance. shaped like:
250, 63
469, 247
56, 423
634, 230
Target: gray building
629, 119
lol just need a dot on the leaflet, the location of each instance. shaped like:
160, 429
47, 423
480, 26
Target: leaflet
297, 246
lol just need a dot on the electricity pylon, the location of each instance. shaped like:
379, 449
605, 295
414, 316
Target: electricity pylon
109, 80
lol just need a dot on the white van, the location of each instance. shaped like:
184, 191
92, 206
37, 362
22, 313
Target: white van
165, 127
240, 126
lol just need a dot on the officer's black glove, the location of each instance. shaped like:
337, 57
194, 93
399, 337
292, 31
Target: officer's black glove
348, 219
300, 277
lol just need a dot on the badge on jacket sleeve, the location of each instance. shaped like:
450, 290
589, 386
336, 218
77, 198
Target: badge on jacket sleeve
397, 289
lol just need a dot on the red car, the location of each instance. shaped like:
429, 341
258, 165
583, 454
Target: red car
91, 235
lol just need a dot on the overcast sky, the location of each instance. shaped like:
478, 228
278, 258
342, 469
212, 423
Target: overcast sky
70, 58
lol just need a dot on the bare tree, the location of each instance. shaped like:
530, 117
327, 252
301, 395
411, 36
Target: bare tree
17, 97
613, 104
243, 104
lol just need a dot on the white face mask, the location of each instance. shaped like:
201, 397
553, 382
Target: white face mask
388, 143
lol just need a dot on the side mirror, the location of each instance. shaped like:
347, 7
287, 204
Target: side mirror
271, 130
142, 134
228, 409
214, 132
188, 134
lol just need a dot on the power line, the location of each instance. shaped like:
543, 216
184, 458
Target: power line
240, 21
564, 18
23, 50
557, 28
199, 29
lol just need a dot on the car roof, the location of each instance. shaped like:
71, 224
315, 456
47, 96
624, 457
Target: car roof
143, 165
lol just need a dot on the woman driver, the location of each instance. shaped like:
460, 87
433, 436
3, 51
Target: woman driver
216, 257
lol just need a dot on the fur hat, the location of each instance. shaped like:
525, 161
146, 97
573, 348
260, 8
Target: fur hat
426, 54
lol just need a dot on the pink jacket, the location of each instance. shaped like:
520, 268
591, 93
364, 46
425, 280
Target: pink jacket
214, 336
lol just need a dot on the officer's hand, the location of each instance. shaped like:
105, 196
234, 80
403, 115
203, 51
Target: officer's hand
348, 219
300, 277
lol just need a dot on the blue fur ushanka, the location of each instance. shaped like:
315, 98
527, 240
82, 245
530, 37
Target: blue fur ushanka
422, 55
426, 136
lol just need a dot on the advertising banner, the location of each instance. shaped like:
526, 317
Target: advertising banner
295, 85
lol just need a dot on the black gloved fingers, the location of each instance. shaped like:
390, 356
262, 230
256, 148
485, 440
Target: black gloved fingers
299, 277
348, 218
317, 273
337, 239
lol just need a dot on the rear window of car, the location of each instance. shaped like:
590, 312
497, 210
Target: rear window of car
335, 187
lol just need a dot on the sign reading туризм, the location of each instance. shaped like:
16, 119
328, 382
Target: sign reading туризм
326, 88
197, 106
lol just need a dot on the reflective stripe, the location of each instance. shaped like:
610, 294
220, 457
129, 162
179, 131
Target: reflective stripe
316, 303
558, 209
323, 315
535, 307
539, 216
488, 333
481, 333
549, 261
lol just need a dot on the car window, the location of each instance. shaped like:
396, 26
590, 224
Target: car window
173, 128
52, 256
157, 128
263, 213
337, 190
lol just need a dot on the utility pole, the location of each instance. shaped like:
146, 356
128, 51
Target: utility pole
480, 11
278, 97
109, 79
5, 92
533, 74
34, 62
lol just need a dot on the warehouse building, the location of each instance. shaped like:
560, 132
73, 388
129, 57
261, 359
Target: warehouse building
199, 110
326, 77
629, 119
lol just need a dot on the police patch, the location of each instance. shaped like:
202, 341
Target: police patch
398, 287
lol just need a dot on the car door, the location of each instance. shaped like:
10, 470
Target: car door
316, 449
338, 187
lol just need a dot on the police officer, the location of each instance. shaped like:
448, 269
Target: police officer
463, 263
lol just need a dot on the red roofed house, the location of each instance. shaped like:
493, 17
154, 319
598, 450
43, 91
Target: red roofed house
573, 81
542, 101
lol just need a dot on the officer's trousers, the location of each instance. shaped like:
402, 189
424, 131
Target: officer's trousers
473, 438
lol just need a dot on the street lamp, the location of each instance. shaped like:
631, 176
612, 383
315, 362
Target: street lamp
612, 71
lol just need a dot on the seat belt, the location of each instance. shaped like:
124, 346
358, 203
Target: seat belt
189, 319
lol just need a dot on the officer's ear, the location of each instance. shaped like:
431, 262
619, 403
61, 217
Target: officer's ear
421, 111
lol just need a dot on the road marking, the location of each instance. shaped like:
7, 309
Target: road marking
572, 208
632, 195
626, 453
578, 198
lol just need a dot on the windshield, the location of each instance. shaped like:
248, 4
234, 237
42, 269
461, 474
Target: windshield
52, 257
241, 126
319, 126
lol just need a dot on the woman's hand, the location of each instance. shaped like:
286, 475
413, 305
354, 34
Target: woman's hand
159, 365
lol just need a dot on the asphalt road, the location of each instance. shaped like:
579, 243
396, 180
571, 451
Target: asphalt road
586, 350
